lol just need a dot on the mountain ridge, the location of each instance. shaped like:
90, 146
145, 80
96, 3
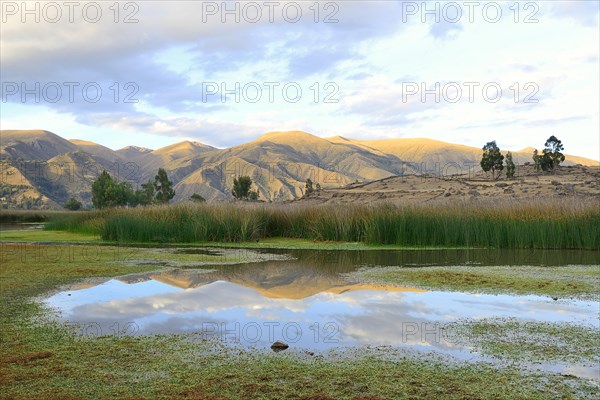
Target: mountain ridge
279, 162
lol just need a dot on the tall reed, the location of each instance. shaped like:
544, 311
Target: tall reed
540, 224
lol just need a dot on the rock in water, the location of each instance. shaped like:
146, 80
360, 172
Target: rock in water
279, 346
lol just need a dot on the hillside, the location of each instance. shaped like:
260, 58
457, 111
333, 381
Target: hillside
429, 154
31, 145
573, 181
54, 169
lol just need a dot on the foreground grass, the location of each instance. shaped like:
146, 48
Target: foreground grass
42, 360
559, 282
568, 224
540, 341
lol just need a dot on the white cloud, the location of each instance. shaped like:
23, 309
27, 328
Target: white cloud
367, 54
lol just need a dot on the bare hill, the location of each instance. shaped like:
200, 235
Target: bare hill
32, 145
566, 181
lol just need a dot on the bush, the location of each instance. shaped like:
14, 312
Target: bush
72, 204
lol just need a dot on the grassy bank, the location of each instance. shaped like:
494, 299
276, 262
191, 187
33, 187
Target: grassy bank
581, 281
42, 360
568, 224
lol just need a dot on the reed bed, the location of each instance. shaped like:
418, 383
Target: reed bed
12, 216
567, 224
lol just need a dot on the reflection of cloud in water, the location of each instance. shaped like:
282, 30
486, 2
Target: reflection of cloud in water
361, 317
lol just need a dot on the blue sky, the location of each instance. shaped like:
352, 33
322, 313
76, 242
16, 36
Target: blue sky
358, 71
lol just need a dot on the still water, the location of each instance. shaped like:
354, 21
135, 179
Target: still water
308, 303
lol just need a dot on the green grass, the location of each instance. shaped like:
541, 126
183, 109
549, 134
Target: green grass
567, 281
38, 235
558, 225
40, 359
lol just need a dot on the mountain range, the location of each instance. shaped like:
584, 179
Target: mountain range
40, 169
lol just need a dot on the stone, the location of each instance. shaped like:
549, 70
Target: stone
279, 346
501, 184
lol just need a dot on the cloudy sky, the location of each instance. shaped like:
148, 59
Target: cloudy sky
152, 73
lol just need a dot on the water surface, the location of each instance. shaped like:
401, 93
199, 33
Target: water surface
309, 305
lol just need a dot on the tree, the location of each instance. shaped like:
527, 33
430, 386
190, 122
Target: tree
145, 195
537, 160
492, 159
73, 204
106, 192
309, 187
101, 190
121, 194
318, 188
552, 154
510, 165
241, 187
163, 187
197, 198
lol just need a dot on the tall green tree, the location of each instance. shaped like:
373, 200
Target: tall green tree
492, 159
106, 192
145, 195
101, 190
163, 187
510, 165
552, 154
121, 194
241, 187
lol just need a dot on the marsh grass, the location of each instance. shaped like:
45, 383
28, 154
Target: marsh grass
26, 216
568, 224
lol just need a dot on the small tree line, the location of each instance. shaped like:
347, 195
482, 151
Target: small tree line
493, 161
108, 192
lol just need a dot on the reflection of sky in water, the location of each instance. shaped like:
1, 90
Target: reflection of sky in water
321, 321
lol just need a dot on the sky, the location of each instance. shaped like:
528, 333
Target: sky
152, 73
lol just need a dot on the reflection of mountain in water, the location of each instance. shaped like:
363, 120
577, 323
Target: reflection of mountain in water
317, 271
274, 279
